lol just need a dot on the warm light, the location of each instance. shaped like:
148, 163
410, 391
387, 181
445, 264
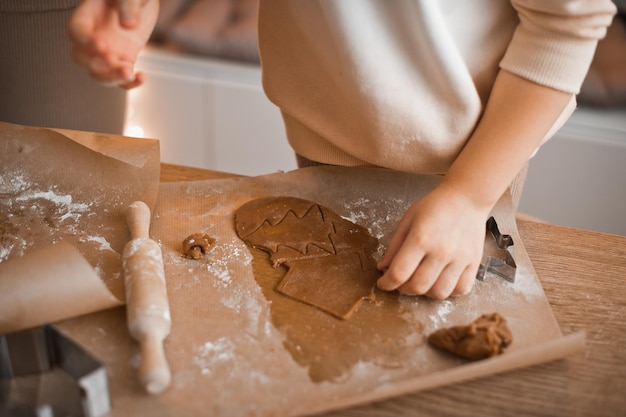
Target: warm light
134, 131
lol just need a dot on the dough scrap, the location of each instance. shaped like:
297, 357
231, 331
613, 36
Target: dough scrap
196, 245
329, 259
487, 336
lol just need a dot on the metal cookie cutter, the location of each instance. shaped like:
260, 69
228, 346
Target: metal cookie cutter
497, 257
44, 374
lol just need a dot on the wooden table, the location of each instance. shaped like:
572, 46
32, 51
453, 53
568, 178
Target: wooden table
584, 276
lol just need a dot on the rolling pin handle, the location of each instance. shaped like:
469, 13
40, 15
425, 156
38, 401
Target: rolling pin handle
138, 219
154, 372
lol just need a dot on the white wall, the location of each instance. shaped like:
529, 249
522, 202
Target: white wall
578, 178
208, 114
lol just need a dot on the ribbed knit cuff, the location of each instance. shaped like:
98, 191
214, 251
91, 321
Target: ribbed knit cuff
556, 61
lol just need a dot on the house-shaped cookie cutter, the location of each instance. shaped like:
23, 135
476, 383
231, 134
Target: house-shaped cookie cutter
497, 257
43, 373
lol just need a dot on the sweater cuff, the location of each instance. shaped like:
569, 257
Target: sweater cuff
557, 61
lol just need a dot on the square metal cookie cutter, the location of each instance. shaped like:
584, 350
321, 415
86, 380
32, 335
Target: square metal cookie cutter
497, 257
43, 373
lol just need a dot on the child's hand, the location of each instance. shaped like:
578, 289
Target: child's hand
436, 248
108, 35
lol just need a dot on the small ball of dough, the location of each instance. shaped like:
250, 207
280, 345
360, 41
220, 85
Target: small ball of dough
196, 245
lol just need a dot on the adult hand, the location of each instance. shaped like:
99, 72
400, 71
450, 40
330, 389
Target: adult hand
107, 36
437, 247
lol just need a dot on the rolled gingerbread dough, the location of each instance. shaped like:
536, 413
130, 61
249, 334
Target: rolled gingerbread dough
329, 259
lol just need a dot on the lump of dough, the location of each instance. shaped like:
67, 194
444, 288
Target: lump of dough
196, 245
487, 336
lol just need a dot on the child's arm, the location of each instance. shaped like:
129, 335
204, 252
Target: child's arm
107, 37
437, 247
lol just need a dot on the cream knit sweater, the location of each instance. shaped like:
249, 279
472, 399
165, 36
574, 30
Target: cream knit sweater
402, 83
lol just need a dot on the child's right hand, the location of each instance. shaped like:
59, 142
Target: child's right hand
437, 247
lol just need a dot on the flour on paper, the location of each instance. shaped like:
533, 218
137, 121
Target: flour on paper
27, 208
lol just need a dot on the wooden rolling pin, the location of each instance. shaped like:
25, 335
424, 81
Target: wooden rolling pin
147, 306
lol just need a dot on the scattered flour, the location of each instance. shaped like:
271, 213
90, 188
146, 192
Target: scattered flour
26, 208
222, 257
13, 184
357, 215
362, 212
443, 309
527, 285
65, 207
255, 320
104, 244
4, 253
212, 354
24, 197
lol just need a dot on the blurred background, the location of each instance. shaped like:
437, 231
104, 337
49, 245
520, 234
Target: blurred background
204, 101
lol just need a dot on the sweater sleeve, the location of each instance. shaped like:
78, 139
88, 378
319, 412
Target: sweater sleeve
555, 40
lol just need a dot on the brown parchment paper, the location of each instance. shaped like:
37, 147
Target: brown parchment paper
30, 279
234, 352
70, 187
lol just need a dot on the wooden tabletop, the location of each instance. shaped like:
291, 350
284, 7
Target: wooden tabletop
583, 274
